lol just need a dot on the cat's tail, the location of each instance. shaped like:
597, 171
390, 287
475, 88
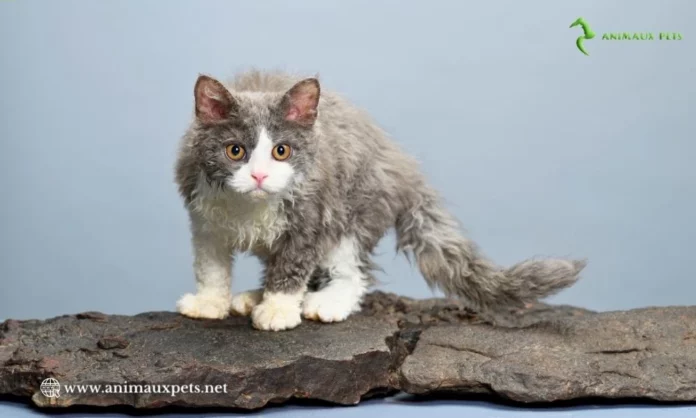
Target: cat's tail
452, 263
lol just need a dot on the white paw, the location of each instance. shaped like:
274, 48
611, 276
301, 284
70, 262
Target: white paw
277, 312
209, 306
328, 305
244, 302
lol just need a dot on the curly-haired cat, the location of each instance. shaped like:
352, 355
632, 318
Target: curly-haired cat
309, 184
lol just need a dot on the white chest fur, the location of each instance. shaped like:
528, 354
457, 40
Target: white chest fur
247, 224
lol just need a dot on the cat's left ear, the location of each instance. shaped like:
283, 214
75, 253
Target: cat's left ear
299, 104
214, 103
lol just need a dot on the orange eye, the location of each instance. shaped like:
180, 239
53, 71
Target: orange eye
282, 152
235, 152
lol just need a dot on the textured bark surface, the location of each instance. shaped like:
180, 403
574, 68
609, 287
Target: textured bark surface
421, 347
646, 353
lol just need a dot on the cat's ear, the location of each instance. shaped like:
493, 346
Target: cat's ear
214, 103
299, 104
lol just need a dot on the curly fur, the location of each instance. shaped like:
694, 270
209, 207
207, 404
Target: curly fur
349, 182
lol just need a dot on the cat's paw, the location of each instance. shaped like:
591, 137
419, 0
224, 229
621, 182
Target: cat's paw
328, 305
202, 305
244, 302
277, 312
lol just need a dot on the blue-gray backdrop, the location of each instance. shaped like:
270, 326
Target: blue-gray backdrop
538, 149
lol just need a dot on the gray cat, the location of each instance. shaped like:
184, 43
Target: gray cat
309, 184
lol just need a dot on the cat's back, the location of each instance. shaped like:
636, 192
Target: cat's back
348, 132
277, 82
257, 81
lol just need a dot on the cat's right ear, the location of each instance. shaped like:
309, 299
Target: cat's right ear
214, 103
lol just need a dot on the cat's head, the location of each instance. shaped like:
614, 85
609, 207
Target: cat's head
257, 144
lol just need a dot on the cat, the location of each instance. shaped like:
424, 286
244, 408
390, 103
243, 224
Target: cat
274, 166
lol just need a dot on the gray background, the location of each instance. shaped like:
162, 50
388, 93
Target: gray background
538, 149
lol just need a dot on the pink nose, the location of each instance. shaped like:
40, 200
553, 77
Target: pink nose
259, 177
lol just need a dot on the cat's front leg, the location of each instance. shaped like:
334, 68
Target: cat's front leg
285, 284
212, 267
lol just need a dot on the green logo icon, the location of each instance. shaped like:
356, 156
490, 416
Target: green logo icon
586, 34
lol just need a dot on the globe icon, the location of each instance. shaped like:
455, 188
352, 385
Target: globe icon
50, 388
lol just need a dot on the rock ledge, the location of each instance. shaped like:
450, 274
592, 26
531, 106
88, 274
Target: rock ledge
432, 347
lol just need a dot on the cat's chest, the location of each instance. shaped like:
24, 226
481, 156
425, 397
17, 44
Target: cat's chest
248, 226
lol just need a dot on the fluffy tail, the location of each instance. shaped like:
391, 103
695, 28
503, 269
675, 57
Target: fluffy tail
452, 263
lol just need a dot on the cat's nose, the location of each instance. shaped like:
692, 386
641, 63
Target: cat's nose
259, 177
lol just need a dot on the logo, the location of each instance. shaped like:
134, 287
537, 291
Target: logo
50, 388
587, 34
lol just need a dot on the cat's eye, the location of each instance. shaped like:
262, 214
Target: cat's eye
235, 152
282, 152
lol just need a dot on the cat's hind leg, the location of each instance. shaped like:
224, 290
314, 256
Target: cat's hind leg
348, 281
243, 303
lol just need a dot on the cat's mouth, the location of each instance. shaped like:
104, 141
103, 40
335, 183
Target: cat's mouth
258, 194
254, 192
